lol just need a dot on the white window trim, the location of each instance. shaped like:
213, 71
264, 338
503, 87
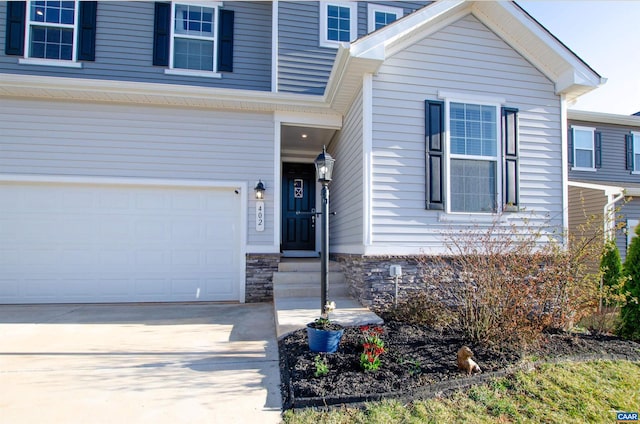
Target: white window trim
353, 22
477, 100
631, 225
373, 8
28, 60
191, 72
593, 148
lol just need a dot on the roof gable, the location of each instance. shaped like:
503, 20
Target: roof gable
571, 76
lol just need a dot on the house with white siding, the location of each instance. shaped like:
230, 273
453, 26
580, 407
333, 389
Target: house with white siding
133, 135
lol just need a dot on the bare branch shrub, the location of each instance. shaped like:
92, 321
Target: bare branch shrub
506, 283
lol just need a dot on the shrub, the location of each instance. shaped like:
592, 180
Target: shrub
611, 268
422, 307
507, 283
630, 312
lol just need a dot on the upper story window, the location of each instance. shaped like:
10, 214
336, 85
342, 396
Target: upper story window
338, 23
473, 157
380, 16
193, 41
51, 30
52, 33
585, 148
193, 38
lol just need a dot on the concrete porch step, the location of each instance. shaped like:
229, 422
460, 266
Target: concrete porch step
296, 296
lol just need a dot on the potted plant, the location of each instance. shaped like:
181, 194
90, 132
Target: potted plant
324, 335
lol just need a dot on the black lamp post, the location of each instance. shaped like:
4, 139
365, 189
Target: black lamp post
324, 170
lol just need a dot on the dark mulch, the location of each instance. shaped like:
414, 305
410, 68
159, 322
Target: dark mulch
419, 362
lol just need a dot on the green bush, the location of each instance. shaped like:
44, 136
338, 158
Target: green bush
630, 312
611, 266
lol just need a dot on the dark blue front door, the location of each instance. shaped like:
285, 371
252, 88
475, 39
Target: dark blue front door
298, 206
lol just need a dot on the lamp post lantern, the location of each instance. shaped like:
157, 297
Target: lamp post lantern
324, 170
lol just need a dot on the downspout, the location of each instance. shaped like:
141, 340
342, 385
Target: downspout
609, 218
609, 233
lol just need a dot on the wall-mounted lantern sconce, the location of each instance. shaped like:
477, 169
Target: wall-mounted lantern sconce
259, 188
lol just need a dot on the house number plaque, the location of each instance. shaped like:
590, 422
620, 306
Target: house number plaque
298, 188
259, 216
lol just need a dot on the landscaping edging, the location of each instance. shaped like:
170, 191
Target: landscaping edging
435, 389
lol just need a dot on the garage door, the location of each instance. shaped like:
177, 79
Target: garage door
118, 243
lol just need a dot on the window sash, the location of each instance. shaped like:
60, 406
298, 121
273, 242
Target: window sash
193, 50
584, 147
380, 16
338, 23
48, 39
473, 164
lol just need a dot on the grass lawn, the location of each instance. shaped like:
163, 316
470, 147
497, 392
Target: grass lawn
553, 393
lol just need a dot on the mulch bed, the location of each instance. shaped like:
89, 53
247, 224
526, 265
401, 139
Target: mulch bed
419, 362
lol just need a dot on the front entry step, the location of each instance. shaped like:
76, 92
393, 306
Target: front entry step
296, 296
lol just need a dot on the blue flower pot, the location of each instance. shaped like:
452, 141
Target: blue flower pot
324, 340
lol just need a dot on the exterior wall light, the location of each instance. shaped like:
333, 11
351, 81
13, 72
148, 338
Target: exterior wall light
259, 188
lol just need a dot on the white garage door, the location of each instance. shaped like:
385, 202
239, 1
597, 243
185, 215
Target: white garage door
115, 243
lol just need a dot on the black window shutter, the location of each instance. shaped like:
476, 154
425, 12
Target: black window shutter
87, 30
225, 40
161, 34
434, 140
629, 149
598, 149
570, 146
510, 183
16, 17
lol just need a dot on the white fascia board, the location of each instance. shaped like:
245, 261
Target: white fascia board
604, 118
33, 86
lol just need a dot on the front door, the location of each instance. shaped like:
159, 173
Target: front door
298, 206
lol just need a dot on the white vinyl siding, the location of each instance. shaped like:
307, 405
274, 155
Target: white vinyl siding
77, 139
347, 192
465, 57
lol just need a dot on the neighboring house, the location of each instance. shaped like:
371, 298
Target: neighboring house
132, 135
604, 173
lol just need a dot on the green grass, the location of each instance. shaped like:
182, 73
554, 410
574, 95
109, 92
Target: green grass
587, 392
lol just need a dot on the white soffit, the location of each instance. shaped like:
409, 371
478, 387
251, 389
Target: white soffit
604, 118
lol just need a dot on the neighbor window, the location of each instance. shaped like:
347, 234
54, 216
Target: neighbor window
194, 41
583, 147
380, 16
51, 30
473, 157
337, 23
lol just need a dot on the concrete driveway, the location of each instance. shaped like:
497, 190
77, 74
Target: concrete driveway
159, 363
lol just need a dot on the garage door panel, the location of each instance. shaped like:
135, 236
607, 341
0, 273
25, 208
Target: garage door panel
98, 243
